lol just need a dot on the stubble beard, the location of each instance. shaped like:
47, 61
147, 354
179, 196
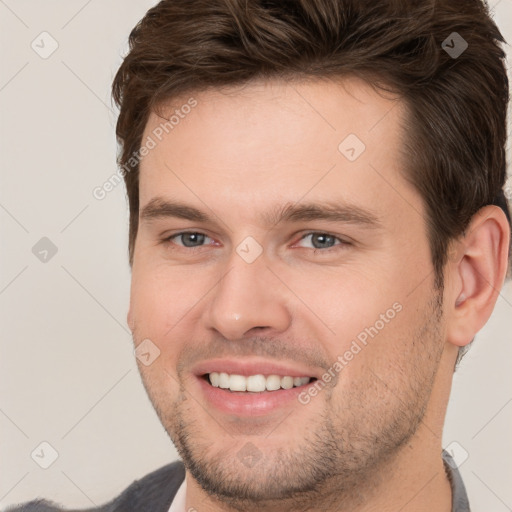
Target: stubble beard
341, 454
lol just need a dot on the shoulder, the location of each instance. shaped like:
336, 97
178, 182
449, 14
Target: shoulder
460, 502
154, 491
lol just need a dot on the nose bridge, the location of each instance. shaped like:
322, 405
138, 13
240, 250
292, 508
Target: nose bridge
247, 296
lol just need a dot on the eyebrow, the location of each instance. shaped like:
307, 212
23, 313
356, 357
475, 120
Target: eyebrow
334, 211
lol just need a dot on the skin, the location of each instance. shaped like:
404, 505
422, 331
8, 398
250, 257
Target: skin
371, 439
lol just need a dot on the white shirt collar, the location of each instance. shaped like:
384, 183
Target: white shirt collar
178, 503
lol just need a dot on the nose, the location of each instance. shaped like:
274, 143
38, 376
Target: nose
248, 300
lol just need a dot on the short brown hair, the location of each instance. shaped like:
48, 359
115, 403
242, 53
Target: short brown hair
457, 104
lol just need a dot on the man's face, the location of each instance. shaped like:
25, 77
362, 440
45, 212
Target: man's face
245, 294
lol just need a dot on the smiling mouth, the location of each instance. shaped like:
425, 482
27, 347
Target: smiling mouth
254, 383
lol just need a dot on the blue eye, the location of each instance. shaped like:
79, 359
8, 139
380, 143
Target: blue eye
189, 239
323, 241
320, 242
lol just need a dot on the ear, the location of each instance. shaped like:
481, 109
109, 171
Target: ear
475, 274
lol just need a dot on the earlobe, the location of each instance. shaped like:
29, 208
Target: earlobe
477, 274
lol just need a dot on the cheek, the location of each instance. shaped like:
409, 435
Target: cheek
346, 299
381, 366
163, 297
374, 318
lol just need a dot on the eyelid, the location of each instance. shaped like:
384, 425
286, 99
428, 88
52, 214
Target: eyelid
169, 238
327, 233
342, 242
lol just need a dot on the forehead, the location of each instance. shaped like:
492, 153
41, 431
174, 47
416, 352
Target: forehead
274, 140
330, 107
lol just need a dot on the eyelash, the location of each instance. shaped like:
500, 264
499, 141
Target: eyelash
315, 251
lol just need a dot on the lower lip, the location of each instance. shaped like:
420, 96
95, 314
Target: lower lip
242, 403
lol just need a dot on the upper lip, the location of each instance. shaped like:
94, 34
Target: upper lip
254, 367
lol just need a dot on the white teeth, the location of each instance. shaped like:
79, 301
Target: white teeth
273, 383
287, 382
223, 380
214, 379
255, 383
237, 383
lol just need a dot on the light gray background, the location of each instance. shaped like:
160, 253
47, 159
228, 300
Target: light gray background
68, 375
